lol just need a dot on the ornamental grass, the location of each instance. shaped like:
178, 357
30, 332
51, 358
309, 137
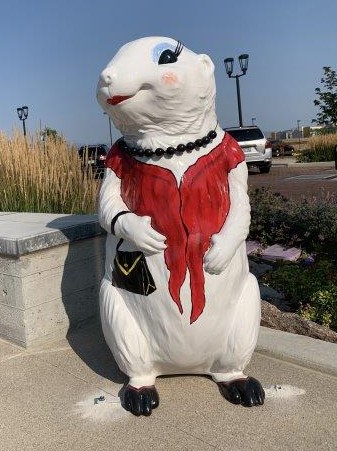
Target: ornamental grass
44, 177
320, 148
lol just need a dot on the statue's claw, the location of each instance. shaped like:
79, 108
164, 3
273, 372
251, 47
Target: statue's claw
140, 401
248, 392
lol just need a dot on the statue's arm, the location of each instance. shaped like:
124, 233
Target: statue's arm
110, 200
129, 226
236, 227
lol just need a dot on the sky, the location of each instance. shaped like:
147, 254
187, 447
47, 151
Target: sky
52, 52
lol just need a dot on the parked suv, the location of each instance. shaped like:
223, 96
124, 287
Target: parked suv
93, 157
256, 147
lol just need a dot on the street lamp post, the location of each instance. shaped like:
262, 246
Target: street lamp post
23, 114
109, 128
299, 134
243, 61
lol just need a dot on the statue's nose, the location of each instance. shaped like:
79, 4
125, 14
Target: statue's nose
107, 76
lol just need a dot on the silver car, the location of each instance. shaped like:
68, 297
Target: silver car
257, 149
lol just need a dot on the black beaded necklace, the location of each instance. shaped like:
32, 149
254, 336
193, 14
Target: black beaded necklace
170, 150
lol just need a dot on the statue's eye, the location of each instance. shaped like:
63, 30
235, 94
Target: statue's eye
167, 57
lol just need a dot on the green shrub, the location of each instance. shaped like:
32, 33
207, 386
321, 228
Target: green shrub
311, 289
310, 224
318, 155
269, 223
322, 307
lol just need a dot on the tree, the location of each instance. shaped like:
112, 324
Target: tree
50, 133
327, 98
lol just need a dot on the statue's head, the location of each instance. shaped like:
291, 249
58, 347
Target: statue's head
155, 83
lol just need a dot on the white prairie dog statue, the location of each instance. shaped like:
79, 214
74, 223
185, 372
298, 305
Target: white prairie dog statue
175, 192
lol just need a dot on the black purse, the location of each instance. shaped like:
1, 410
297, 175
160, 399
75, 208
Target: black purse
131, 272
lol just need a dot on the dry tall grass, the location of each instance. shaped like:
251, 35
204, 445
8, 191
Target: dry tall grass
44, 177
320, 148
319, 142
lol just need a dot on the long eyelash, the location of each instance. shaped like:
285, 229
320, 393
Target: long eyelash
179, 48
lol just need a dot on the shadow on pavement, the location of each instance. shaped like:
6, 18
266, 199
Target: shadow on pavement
80, 296
89, 344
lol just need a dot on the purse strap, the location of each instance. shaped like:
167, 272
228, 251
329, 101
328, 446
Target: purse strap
119, 244
114, 219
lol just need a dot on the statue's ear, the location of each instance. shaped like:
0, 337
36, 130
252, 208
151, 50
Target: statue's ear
207, 63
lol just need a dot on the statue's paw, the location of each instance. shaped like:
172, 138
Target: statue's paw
248, 392
138, 230
215, 268
217, 257
140, 401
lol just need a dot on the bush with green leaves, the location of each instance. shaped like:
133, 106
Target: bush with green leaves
311, 289
322, 307
310, 224
316, 155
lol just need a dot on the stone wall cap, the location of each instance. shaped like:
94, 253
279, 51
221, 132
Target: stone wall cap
24, 233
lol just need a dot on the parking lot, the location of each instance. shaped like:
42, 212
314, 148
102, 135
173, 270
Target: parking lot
296, 180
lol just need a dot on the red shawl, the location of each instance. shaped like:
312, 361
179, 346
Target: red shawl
188, 214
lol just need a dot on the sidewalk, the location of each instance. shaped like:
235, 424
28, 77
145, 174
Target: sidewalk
291, 162
48, 401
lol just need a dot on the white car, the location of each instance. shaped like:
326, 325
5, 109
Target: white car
257, 149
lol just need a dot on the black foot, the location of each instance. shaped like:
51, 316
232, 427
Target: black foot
248, 392
140, 401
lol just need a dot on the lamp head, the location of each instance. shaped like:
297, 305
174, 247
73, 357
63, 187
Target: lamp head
25, 111
243, 61
229, 66
20, 113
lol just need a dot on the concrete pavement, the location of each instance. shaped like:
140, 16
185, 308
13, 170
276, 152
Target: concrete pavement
48, 400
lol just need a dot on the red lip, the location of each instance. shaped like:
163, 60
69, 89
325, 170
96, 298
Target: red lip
117, 99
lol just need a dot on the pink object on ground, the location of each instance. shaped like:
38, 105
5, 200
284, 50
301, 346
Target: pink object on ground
277, 252
253, 247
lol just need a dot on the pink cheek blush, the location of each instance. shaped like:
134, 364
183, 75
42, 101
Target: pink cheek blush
169, 78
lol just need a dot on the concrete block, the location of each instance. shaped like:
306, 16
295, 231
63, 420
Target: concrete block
45, 289
11, 291
23, 233
12, 324
10, 266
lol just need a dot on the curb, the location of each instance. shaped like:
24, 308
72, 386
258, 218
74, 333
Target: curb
304, 351
288, 163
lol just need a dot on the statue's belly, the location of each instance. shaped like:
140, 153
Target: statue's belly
171, 337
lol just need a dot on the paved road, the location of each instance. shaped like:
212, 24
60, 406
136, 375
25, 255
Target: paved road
296, 180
